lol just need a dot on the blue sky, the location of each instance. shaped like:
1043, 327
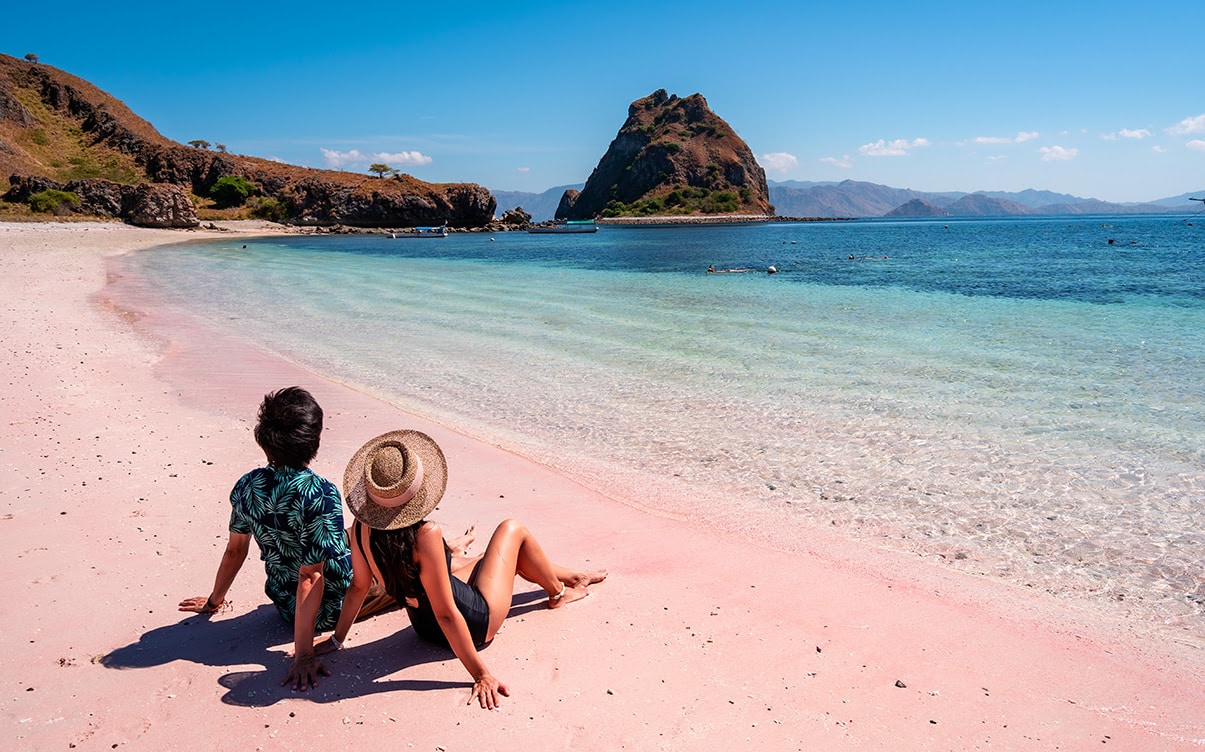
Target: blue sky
1097, 99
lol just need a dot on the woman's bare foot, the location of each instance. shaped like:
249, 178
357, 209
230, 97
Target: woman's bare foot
575, 587
460, 544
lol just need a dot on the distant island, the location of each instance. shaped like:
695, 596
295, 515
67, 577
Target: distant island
862, 200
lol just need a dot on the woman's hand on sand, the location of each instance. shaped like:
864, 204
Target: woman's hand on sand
304, 673
487, 690
199, 605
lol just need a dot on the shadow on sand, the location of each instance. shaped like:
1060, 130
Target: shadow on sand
357, 671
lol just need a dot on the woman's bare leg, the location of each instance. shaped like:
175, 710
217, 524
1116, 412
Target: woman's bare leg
513, 550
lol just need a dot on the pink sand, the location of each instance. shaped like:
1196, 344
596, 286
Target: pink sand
117, 459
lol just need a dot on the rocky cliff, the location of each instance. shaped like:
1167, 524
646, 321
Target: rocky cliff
672, 156
61, 129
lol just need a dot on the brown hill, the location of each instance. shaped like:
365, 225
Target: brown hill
672, 156
57, 130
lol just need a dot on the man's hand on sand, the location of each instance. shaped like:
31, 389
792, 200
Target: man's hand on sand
304, 673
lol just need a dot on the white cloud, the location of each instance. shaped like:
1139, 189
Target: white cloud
842, 161
405, 158
897, 148
1189, 125
1139, 134
1020, 138
523, 170
779, 161
356, 159
1058, 153
1158, 149
1196, 144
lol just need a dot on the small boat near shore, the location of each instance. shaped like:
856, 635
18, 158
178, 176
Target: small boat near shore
422, 232
570, 226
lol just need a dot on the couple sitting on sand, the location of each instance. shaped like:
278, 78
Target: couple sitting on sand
318, 578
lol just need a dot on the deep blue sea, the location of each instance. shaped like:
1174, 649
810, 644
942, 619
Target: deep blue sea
1020, 397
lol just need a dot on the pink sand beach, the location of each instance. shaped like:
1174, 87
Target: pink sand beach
125, 429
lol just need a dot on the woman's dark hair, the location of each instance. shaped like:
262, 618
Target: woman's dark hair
393, 551
288, 427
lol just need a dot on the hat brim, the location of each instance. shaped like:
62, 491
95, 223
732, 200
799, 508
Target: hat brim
435, 481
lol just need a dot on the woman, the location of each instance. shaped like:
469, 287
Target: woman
296, 518
391, 484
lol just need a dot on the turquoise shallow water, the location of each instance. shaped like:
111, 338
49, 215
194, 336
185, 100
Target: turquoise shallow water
1018, 396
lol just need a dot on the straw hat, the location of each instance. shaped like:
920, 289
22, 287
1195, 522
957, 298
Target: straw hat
395, 480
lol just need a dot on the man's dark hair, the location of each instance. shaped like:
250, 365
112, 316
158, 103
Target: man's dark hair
288, 427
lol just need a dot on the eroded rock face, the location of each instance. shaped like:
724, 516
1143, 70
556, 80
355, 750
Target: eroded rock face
146, 205
678, 153
160, 205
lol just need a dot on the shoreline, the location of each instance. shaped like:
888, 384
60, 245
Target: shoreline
123, 454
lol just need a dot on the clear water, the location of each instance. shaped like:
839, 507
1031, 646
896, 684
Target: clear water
1019, 397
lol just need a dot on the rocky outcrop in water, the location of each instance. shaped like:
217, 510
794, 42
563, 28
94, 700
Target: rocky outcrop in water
672, 157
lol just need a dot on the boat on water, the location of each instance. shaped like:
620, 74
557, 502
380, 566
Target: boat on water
422, 232
573, 225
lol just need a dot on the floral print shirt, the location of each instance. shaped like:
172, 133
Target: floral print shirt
296, 517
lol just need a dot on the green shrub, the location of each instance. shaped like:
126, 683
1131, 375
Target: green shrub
266, 207
59, 202
231, 190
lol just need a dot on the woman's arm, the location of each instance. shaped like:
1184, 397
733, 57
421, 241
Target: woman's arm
306, 667
433, 571
232, 561
353, 599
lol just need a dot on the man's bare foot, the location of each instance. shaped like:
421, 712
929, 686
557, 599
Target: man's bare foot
576, 587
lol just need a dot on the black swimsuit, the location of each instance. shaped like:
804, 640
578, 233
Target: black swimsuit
469, 602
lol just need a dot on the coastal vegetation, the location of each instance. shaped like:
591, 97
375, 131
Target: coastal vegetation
230, 191
53, 201
681, 200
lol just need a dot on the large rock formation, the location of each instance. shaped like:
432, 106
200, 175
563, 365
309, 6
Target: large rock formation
56, 126
145, 205
672, 156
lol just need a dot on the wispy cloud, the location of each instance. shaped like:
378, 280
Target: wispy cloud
1020, 138
842, 161
1058, 153
1158, 149
522, 170
897, 148
779, 162
1188, 125
356, 159
1138, 134
1196, 144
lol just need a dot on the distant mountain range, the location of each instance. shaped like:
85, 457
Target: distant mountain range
851, 198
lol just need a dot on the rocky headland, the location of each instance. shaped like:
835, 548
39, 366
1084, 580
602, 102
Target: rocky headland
59, 134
